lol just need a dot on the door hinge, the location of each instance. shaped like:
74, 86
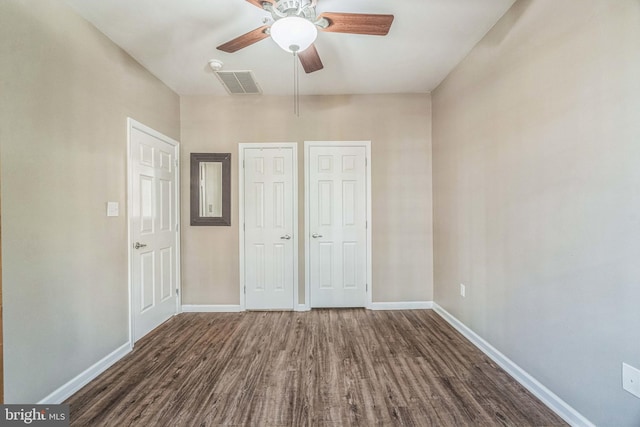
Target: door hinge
243, 164
245, 290
366, 162
177, 227
177, 292
177, 163
366, 287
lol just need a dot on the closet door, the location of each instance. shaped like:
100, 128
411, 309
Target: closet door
337, 206
269, 228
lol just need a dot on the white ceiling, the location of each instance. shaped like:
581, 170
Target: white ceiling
176, 39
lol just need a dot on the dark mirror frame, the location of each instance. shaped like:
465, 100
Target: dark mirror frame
225, 159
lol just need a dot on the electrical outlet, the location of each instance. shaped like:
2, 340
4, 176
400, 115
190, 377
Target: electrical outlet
631, 379
463, 290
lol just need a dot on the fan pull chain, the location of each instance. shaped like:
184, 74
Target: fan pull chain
296, 85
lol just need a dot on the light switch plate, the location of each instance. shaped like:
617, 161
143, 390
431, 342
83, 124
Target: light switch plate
463, 290
113, 209
631, 379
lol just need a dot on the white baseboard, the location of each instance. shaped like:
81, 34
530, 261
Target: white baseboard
213, 308
407, 305
555, 403
302, 307
66, 390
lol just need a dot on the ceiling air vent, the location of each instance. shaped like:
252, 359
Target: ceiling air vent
239, 82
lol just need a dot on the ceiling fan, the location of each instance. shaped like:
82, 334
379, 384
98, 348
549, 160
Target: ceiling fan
295, 27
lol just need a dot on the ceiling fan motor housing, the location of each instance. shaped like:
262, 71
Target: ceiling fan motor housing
301, 8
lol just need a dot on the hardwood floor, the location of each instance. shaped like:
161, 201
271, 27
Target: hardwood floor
320, 368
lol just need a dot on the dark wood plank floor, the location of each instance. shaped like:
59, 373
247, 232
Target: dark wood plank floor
320, 368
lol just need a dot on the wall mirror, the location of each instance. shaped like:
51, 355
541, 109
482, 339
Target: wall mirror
210, 188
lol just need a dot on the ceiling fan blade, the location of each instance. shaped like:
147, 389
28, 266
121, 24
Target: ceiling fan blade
244, 40
357, 23
310, 60
258, 3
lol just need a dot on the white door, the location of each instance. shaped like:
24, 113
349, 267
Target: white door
337, 228
153, 229
270, 225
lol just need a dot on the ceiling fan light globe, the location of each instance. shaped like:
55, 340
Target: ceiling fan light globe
294, 32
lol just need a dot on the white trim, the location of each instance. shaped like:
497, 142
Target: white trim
68, 389
212, 308
131, 123
302, 307
241, 222
307, 244
406, 305
268, 145
555, 403
178, 165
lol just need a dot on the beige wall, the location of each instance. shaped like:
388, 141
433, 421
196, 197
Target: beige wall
537, 197
399, 127
66, 94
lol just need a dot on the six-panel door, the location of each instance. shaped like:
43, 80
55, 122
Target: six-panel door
153, 232
269, 228
337, 226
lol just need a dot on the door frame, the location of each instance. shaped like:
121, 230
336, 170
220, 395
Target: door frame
241, 147
307, 191
133, 124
